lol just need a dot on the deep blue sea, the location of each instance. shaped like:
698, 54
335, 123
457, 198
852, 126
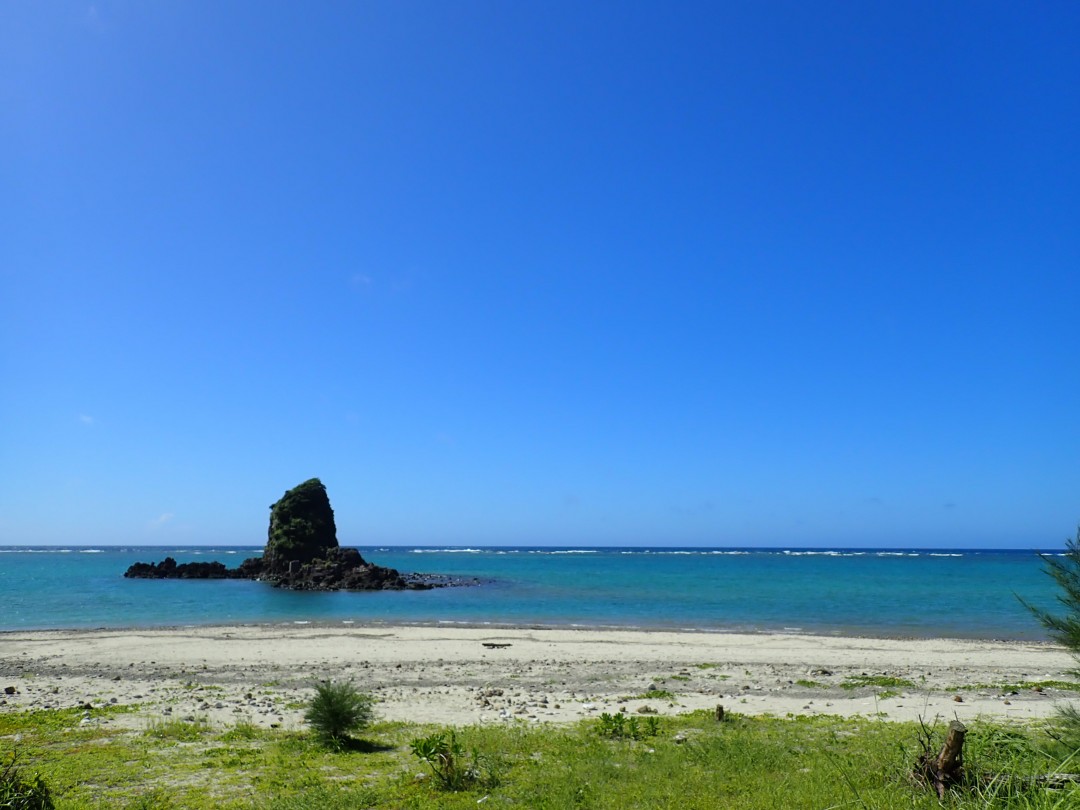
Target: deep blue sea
898, 592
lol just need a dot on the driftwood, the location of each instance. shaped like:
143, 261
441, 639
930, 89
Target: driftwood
946, 768
491, 645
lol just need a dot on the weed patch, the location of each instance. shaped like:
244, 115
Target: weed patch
21, 791
178, 730
859, 681
651, 694
620, 727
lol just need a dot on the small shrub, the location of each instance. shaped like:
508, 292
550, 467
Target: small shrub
620, 727
19, 792
337, 710
445, 755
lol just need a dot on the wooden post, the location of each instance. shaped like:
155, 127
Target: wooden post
719, 713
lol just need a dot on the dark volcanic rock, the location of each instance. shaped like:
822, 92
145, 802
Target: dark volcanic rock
170, 569
302, 553
344, 569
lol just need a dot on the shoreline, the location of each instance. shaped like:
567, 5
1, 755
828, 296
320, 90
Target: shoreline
348, 624
444, 673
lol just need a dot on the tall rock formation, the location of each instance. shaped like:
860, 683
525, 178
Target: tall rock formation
301, 554
302, 528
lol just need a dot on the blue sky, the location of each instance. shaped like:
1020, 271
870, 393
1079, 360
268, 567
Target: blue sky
567, 273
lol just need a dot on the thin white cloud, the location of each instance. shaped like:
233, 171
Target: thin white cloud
92, 19
161, 520
86, 419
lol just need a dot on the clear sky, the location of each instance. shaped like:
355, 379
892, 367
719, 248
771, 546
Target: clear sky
722, 273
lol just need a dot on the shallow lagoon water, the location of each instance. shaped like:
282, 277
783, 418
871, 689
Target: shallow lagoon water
891, 592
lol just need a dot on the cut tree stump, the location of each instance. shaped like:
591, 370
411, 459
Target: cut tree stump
946, 769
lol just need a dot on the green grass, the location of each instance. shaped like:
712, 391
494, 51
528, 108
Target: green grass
691, 762
244, 731
860, 681
177, 730
810, 684
1023, 686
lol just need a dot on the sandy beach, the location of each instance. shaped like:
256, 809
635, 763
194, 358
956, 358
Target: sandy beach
457, 675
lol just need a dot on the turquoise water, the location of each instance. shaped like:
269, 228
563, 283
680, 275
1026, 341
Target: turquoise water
965, 594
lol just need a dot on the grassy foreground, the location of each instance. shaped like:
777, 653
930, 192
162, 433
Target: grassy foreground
691, 761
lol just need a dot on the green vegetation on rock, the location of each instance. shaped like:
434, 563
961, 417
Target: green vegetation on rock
301, 527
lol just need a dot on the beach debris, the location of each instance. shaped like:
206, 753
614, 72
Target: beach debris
10, 690
492, 645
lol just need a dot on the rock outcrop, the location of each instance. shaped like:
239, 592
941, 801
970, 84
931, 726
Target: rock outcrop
171, 569
344, 569
302, 528
302, 553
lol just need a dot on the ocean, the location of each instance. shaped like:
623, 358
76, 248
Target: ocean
862, 592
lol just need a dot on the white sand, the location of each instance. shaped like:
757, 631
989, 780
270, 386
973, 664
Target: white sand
263, 674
